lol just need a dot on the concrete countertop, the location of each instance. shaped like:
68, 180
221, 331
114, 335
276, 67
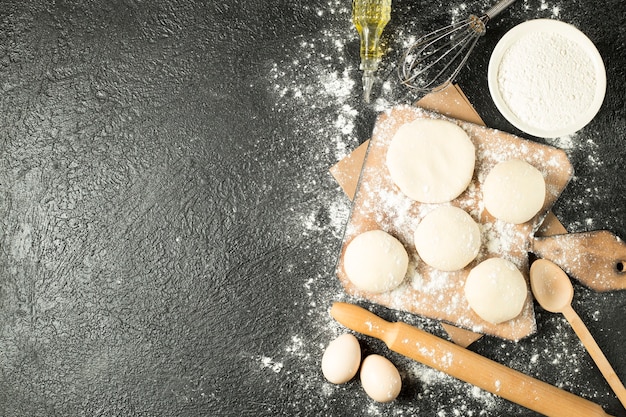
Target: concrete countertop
169, 228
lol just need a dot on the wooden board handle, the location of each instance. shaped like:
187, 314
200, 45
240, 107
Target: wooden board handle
466, 365
597, 259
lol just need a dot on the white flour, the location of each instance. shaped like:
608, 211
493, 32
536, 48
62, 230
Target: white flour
547, 80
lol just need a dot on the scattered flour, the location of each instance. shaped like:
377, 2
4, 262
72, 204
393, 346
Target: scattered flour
566, 142
319, 78
461, 10
271, 364
316, 84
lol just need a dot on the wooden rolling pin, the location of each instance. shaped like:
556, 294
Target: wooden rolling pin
466, 365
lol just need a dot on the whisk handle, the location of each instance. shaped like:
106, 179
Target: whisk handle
497, 8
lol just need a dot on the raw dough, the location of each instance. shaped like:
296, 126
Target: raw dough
447, 238
431, 160
514, 191
375, 261
496, 290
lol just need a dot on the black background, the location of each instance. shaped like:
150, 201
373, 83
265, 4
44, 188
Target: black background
169, 228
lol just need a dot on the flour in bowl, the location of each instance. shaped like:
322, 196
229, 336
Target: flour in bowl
547, 80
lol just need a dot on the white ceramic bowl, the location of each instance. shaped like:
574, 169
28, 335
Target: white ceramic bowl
548, 26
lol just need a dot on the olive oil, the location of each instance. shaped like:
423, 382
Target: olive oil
370, 18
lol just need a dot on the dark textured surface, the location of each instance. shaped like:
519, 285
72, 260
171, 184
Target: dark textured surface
168, 226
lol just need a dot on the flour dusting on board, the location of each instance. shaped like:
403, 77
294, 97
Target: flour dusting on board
319, 77
379, 204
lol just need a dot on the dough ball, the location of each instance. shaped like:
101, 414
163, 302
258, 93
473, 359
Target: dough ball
431, 161
496, 290
380, 378
447, 238
341, 359
514, 191
375, 261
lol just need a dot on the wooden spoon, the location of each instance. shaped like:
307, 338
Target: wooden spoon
554, 292
466, 365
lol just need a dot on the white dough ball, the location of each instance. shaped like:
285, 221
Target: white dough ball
496, 290
514, 191
431, 160
447, 238
341, 359
380, 379
375, 261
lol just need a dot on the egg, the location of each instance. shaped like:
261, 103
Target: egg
380, 378
341, 359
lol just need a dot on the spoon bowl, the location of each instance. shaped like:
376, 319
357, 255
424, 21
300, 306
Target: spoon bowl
551, 286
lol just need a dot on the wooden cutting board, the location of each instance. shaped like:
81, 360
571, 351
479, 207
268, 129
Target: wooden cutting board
378, 204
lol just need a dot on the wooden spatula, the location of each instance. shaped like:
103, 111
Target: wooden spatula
466, 365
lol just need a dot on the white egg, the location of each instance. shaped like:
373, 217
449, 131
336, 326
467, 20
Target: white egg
341, 359
380, 378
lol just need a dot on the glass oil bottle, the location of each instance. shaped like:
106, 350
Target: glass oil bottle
370, 18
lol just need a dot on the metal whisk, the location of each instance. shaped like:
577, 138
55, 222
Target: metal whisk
434, 60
